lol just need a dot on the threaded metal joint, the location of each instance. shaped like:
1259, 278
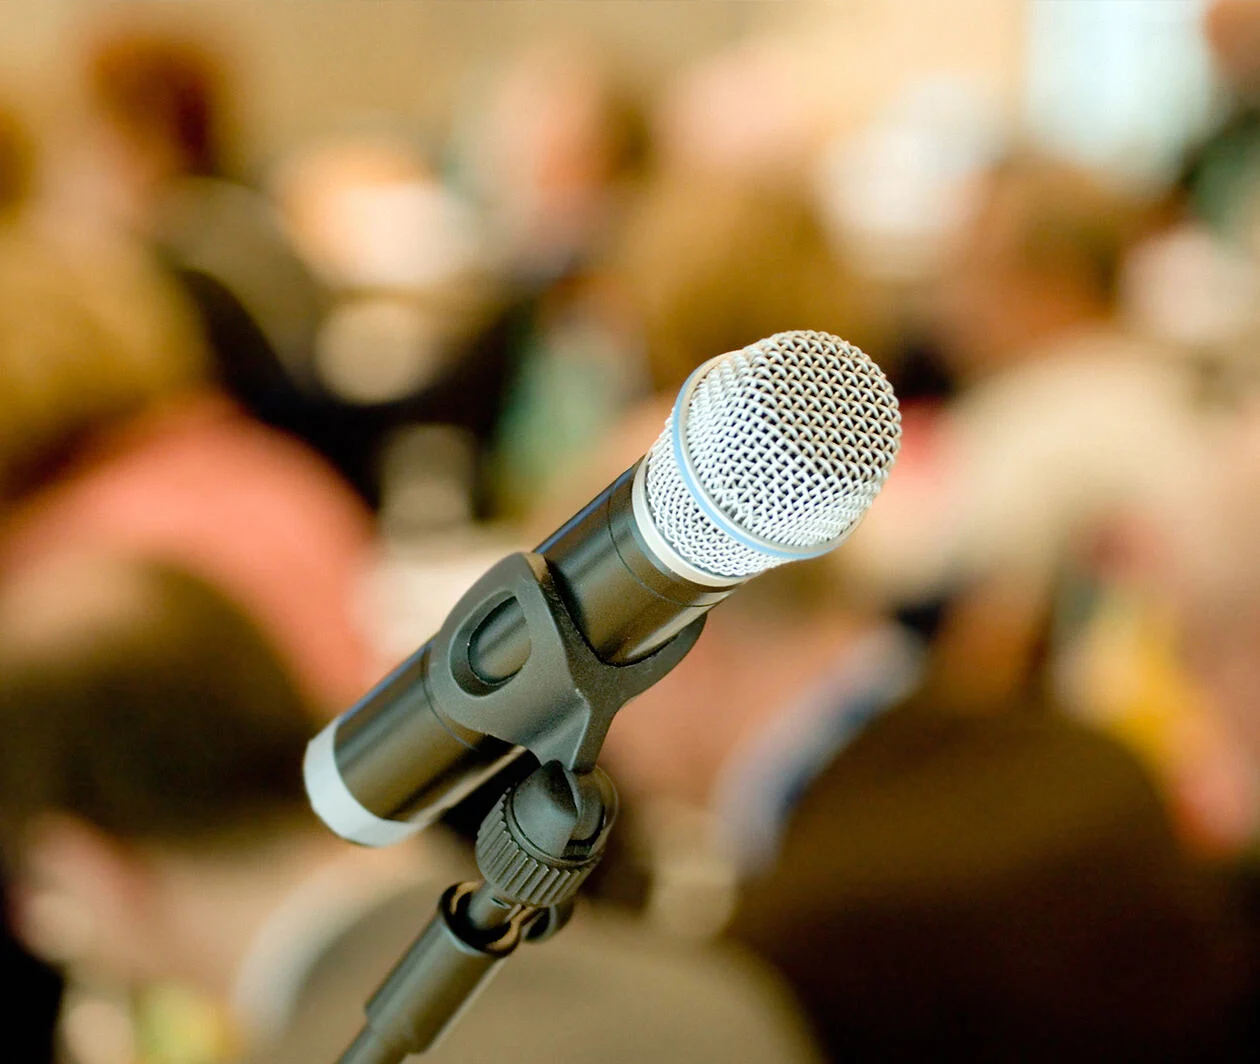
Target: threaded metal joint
517, 871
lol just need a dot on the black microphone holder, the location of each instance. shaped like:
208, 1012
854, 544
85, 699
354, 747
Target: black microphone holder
546, 833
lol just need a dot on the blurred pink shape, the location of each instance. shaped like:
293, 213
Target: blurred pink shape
197, 483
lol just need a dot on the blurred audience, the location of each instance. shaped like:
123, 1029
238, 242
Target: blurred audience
1068, 427
714, 262
478, 320
152, 845
164, 167
1068, 424
36, 989
552, 153
111, 437
1000, 887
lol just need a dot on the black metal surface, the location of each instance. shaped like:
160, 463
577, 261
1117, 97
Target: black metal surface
409, 752
399, 759
622, 600
560, 703
558, 820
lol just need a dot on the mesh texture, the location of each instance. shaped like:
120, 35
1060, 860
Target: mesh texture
791, 439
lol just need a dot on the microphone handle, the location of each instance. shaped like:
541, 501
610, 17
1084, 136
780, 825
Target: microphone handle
394, 762
624, 600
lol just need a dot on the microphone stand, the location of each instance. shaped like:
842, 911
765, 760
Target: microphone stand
545, 834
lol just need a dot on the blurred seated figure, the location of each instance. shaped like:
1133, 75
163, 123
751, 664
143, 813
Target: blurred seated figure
162, 167
89, 332
712, 262
971, 886
546, 150
195, 481
110, 435
1066, 419
551, 153
1067, 426
162, 124
412, 348
158, 832
36, 990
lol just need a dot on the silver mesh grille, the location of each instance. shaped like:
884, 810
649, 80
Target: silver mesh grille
788, 442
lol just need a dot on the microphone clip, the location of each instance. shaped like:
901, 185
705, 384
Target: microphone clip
560, 703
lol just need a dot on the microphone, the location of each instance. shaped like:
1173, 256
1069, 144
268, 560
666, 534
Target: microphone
772, 454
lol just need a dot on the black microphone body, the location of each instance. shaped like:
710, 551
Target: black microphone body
404, 762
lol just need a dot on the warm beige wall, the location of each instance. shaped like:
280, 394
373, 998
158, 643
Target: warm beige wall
309, 65
317, 63
863, 52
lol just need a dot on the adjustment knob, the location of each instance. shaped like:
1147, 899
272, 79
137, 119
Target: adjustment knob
519, 871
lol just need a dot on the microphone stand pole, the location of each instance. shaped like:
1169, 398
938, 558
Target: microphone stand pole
527, 895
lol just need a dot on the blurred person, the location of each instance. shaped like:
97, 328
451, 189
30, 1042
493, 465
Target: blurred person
546, 150
162, 165
89, 332
150, 845
551, 153
1203, 559
163, 154
709, 262
999, 886
35, 993
110, 433
1067, 421
419, 344
194, 480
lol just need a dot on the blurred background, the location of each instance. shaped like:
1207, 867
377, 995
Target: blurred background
309, 312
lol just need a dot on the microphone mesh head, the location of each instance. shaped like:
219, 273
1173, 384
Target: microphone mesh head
786, 443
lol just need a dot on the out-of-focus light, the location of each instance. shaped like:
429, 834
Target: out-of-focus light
98, 1031
897, 191
1124, 85
376, 350
409, 235
1190, 288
